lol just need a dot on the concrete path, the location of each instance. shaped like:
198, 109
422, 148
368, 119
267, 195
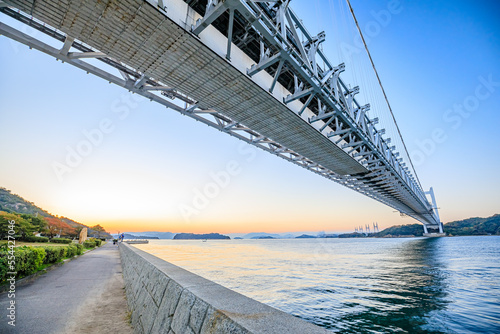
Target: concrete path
85, 295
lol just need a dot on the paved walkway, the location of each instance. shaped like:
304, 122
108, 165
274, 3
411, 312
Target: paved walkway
85, 295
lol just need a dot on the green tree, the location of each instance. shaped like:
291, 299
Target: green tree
22, 226
37, 221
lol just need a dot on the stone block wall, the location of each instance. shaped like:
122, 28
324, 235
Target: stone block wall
167, 299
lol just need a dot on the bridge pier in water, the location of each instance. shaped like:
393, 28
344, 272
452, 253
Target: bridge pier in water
440, 232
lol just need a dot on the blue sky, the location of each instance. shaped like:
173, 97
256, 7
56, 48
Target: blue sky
431, 57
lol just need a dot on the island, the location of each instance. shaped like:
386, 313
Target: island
305, 236
193, 236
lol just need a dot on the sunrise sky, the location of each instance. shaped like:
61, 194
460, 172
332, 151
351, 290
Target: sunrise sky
440, 65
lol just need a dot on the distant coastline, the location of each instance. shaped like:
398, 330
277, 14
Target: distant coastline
12, 203
468, 227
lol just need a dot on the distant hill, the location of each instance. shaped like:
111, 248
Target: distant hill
257, 235
474, 226
192, 236
352, 235
13, 203
415, 230
305, 236
284, 235
10, 202
469, 226
131, 236
153, 234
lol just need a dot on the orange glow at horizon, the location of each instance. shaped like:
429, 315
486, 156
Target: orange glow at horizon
224, 227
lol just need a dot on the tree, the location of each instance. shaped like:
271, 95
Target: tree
99, 230
52, 231
38, 222
22, 226
78, 229
5, 218
57, 226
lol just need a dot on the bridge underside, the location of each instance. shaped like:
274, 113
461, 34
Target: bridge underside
139, 39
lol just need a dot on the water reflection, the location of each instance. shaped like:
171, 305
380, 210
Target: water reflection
410, 285
358, 286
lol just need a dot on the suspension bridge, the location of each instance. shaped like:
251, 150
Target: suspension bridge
245, 67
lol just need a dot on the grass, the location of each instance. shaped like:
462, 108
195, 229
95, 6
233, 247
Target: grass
45, 265
128, 317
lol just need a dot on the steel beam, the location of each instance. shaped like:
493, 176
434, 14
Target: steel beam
323, 84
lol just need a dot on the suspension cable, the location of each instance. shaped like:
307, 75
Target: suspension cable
383, 91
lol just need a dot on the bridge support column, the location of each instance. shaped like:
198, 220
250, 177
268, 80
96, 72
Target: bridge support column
440, 232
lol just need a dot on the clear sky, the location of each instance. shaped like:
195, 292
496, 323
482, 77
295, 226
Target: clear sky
439, 62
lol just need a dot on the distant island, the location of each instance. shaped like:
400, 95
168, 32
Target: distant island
257, 235
305, 236
193, 236
132, 236
150, 235
470, 226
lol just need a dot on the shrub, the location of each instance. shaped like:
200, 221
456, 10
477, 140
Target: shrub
96, 241
53, 254
89, 244
62, 252
61, 240
3, 266
32, 238
28, 259
71, 250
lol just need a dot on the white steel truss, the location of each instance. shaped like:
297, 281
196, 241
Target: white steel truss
343, 120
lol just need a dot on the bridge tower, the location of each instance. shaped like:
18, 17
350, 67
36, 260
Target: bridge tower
435, 213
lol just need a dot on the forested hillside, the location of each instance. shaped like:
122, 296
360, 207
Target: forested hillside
15, 204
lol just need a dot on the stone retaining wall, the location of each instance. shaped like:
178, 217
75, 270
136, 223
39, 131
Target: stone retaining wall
165, 298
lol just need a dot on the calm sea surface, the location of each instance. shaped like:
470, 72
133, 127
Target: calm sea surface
442, 285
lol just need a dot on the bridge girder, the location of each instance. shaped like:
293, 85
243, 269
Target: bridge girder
344, 120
